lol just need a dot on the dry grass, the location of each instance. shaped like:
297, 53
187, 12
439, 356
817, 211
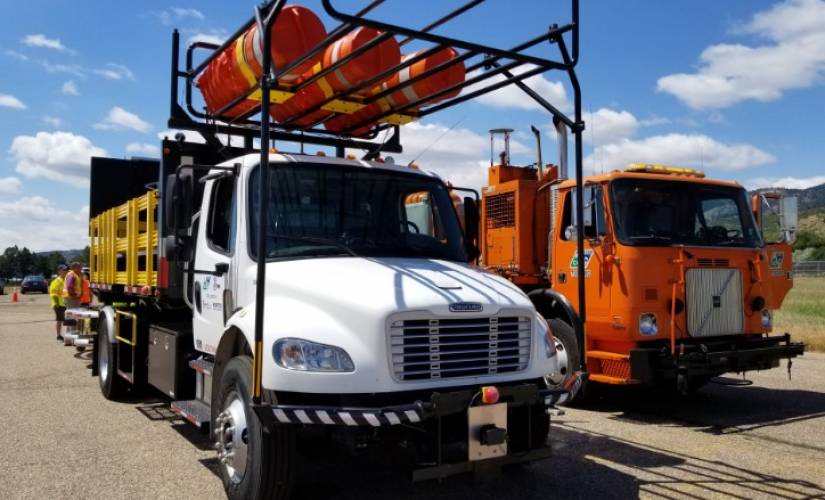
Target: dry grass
803, 313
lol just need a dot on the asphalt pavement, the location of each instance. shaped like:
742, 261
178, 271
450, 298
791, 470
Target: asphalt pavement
62, 440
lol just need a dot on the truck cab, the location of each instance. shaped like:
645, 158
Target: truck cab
681, 284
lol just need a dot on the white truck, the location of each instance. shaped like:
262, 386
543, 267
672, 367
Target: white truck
266, 293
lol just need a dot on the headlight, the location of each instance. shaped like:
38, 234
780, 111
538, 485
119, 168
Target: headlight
767, 320
549, 341
647, 324
303, 355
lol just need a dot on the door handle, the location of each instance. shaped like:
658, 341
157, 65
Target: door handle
198, 305
221, 268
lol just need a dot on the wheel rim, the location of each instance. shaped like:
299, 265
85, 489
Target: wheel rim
103, 357
232, 437
559, 377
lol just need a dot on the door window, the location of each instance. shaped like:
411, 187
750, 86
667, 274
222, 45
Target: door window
221, 223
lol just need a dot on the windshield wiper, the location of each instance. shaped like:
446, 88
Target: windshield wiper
312, 239
651, 237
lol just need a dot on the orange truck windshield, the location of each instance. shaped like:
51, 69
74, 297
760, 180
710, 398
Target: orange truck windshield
663, 213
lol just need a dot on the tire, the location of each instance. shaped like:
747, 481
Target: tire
265, 470
112, 385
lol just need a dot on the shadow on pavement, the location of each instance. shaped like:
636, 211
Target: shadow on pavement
680, 474
715, 409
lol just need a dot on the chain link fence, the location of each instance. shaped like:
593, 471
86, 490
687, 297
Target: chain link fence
809, 268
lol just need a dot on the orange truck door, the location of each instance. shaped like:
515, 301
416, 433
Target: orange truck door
777, 216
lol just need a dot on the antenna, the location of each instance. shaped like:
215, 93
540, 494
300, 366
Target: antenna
419, 155
505, 156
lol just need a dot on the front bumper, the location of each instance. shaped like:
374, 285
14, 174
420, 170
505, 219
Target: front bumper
713, 357
437, 405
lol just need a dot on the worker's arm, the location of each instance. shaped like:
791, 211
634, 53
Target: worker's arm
55, 289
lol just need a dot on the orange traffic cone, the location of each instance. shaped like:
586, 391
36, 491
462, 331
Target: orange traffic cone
14, 295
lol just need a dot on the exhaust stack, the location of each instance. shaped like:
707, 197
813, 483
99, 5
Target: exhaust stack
561, 131
539, 163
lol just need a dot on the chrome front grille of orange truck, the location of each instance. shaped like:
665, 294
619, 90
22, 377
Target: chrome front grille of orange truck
426, 349
714, 302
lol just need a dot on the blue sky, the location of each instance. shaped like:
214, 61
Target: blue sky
733, 87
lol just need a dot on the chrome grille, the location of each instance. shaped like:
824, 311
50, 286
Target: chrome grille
425, 349
714, 302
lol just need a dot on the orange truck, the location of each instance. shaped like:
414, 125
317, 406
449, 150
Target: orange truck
682, 273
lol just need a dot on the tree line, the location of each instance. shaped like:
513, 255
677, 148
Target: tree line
16, 262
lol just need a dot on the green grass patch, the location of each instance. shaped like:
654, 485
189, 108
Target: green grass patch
803, 313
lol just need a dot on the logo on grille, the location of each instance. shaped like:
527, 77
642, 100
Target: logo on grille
461, 307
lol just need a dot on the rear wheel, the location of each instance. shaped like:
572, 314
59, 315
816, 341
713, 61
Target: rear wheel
254, 464
112, 385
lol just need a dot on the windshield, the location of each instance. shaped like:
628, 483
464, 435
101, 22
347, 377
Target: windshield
653, 212
325, 210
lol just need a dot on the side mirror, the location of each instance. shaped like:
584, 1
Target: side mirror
177, 202
588, 206
789, 218
471, 223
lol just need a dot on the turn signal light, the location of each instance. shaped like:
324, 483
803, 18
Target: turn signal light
489, 395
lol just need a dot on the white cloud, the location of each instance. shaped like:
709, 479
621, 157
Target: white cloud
458, 155
793, 58
59, 156
58, 228
654, 121
114, 71
605, 126
120, 119
9, 185
142, 149
183, 12
16, 55
513, 97
785, 182
689, 150
173, 13
53, 121
9, 101
70, 69
42, 41
215, 36
70, 88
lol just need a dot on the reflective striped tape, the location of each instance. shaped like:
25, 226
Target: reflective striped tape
240, 58
349, 417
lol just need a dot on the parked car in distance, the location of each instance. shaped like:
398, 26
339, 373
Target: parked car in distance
34, 284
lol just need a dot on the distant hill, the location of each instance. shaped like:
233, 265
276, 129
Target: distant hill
68, 255
811, 207
810, 199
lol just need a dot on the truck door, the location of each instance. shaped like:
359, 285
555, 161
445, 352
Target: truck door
211, 297
565, 256
777, 217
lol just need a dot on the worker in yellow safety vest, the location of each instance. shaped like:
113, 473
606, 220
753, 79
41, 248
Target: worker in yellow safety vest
56, 295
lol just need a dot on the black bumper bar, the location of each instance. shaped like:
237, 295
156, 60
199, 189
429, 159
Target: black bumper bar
713, 357
439, 405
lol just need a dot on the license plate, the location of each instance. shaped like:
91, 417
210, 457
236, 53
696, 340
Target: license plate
478, 417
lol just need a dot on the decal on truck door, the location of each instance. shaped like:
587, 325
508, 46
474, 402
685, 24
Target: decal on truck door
574, 263
212, 296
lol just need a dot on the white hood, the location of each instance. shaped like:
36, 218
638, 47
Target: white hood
348, 301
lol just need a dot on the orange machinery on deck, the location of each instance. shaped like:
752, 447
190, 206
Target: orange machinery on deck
679, 284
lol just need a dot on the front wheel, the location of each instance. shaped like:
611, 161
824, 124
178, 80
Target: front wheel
567, 350
254, 464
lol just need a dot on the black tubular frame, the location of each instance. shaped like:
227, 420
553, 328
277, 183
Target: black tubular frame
489, 69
